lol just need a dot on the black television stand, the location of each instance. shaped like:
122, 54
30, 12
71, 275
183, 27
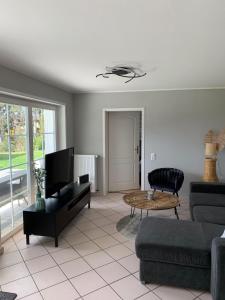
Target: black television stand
58, 213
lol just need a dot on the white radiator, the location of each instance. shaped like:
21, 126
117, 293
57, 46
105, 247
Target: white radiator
86, 164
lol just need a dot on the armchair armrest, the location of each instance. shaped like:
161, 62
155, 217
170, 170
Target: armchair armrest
218, 268
207, 187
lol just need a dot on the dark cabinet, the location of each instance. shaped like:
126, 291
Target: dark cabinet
58, 213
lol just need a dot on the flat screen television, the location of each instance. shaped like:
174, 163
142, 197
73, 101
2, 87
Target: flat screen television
59, 168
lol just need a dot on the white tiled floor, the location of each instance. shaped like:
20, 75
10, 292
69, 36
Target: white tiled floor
93, 261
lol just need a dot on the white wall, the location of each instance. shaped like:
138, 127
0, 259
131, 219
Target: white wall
16, 82
175, 125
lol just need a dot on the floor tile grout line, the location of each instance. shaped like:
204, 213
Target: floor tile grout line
124, 278
93, 269
19, 250
147, 294
65, 276
30, 275
100, 246
50, 286
18, 262
156, 294
107, 263
149, 290
90, 239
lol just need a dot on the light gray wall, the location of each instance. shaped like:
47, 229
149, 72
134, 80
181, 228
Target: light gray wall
17, 82
175, 125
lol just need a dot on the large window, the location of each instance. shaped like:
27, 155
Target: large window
17, 155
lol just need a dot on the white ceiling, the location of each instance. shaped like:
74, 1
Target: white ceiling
179, 43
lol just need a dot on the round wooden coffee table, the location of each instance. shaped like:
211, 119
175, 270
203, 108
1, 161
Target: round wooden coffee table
161, 201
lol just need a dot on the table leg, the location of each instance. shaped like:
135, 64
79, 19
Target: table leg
141, 214
147, 212
27, 239
132, 211
56, 241
176, 213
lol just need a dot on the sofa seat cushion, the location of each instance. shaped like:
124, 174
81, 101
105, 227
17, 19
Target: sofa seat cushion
178, 242
210, 214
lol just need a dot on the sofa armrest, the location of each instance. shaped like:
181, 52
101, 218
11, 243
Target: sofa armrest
203, 199
218, 269
207, 187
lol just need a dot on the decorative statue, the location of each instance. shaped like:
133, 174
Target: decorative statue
214, 143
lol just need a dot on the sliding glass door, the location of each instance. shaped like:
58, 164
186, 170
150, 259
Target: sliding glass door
13, 165
17, 154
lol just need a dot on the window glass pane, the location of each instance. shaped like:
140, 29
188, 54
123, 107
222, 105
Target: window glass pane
49, 121
44, 132
19, 179
18, 150
43, 121
20, 202
38, 120
5, 202
38, 141
4, 152
3, 120
40, 163
49, 143
17, 125
4, 186
20, 192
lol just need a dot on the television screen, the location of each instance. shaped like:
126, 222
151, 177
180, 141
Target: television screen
59, 168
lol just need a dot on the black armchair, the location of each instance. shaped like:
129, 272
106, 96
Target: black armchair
166, 179
207, 202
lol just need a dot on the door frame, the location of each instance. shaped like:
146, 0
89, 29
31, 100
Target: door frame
105, 114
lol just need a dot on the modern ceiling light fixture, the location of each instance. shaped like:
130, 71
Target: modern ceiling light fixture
123, 71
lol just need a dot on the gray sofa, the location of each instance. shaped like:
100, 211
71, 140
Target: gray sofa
207, 202
182, 253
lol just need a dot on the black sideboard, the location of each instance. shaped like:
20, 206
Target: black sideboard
58, 213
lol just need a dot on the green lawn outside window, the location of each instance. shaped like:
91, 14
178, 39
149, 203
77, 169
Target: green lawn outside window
17, 158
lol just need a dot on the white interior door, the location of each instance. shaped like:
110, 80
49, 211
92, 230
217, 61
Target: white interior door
124, 133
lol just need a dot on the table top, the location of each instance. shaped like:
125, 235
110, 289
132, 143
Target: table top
161, 200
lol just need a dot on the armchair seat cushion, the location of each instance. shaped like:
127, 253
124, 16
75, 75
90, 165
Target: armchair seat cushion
176, 242
210, 214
